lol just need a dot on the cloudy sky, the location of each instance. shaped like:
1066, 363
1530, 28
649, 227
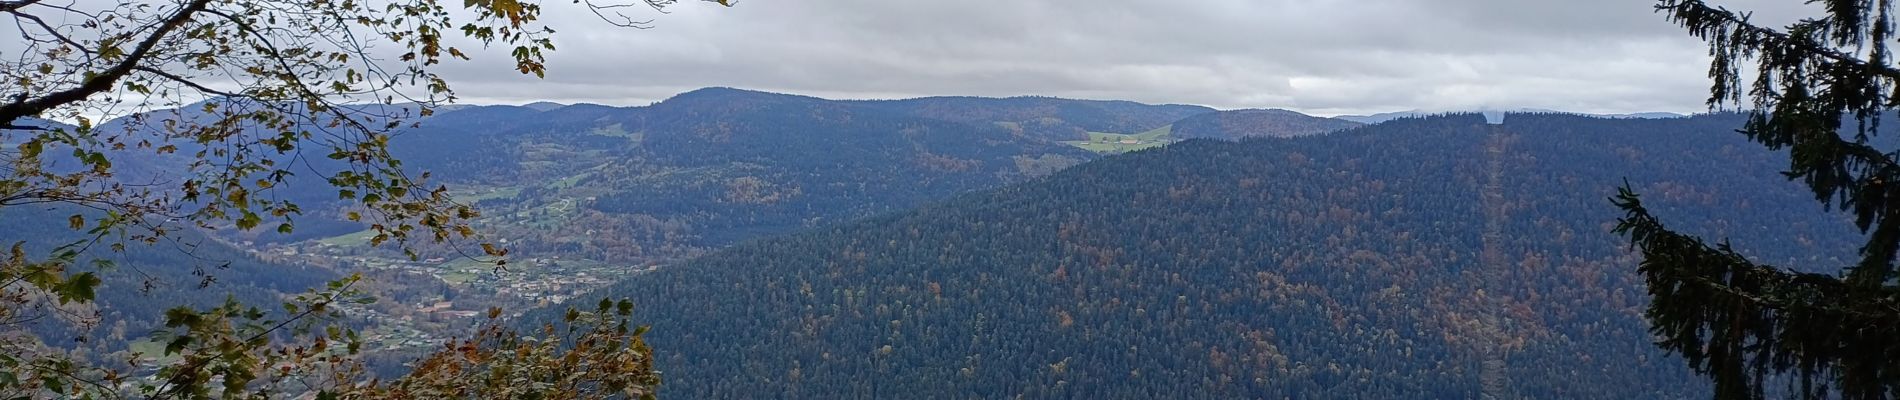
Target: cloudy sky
1318, 56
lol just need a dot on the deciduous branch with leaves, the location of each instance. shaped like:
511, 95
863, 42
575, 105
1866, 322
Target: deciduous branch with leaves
243, 96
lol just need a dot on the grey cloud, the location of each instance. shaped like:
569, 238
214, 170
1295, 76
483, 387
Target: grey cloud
1319, 56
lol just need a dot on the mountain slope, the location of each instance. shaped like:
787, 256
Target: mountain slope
1046, 118
1236, 124
712, 166
1422, 258
186, 268
709, 167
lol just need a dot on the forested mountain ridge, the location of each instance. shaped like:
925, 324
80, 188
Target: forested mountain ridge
712, 166
720, 145
1437, 257
1047, 118
1236, 124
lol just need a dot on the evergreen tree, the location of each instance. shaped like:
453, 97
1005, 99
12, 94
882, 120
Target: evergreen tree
1820, 88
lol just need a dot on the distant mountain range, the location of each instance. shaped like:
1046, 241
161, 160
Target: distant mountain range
1046, 117
1383, 117
719, 165
715, 166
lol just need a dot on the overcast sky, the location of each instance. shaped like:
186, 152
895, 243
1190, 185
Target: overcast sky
1323, 57
1318, 56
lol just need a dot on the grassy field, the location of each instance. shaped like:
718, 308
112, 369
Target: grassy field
616, 130
460, 270
569, 182
360, 238
476, 195
1103, 142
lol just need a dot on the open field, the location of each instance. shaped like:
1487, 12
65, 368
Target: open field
472, 196
1103, 142
359, 238
461, 270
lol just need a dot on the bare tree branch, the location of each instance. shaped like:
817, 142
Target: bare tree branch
105, 79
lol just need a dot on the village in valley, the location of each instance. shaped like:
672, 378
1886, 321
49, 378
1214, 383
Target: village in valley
417, 296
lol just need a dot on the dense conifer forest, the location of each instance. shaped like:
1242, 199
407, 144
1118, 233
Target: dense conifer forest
1438, 257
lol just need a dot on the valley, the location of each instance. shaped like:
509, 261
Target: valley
584, 195
856, 236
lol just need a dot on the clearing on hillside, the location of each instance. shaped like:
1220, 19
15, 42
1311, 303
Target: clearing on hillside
1112, 143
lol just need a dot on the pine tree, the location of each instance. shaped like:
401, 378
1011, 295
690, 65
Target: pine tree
1820, 89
